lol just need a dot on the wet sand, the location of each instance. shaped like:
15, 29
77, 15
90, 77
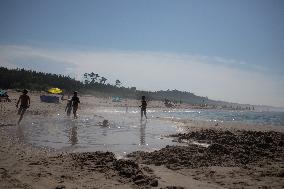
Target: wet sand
236, 158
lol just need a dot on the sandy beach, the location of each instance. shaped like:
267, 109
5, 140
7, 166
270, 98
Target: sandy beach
210, 156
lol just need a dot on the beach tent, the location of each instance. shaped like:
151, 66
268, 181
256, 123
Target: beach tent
55, 91
116, 99
49, 99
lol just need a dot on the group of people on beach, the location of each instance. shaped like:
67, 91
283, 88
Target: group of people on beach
25, 102
72, 103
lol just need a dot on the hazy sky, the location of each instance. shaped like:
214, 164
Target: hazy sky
226, 50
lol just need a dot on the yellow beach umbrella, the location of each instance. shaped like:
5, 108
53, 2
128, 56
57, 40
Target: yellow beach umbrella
55, 90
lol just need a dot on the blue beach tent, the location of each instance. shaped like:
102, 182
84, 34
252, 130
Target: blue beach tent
49, 99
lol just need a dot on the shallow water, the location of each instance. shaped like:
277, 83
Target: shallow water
124, 133
248, 117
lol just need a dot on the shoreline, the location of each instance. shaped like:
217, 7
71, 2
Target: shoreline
25, 166
190, 124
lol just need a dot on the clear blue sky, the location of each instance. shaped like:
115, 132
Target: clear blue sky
249, 31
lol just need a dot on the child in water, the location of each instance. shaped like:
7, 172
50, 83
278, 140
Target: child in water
25, 104
68, 107
143, 107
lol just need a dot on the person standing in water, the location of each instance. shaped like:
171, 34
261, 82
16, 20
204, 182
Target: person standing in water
68, 107
143, 107
75, 103
25, 104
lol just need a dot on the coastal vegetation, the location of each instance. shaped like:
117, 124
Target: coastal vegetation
95, 84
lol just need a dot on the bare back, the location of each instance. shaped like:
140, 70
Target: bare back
25, 100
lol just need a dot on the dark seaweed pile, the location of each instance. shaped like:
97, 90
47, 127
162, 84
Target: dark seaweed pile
227, 148
106, 162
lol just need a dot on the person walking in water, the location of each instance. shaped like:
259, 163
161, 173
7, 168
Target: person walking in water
143, 107
75, 103
68, 107
25, 104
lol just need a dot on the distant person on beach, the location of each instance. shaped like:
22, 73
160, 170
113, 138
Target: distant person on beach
75, 103
25, 104
68, 107
5, 98
143, 107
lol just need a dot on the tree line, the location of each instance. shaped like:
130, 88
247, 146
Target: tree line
21, 78
92, 78
93, 84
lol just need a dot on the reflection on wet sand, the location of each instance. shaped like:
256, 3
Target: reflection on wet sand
142, 132
104, 132
20, 134
73, 134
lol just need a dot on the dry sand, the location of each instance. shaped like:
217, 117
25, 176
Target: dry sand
237, 158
